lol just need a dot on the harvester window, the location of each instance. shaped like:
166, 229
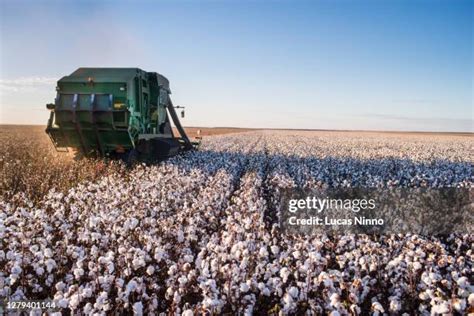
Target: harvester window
163, 96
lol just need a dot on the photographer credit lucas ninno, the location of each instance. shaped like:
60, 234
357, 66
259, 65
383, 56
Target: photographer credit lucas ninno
356, 210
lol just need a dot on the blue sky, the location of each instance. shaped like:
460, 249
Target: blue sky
383, 65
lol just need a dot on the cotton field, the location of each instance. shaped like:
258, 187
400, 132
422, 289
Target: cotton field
199, 234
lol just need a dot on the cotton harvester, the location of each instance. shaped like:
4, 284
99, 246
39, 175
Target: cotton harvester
122, 112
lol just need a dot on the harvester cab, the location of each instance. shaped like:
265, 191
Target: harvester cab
116, 111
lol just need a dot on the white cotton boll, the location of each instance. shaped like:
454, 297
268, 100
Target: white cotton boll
417, 266
138, 263
335, 313
138, 309
372, 267
110, 267
296, 254
293, 291
159, 254
463, 282
63, 303
188, 258
86, 292
60, 286
459, 304
395, 305
172, 270
263, 252
169, 293
470, 299
74, 302
180, 236
176, 298
78, 272
284, 274
442, 308
150, 270
39, 271
131, 286
13, 278
288, 300
334, 299
423, 296
244, 288
355, 309
16, 269
377, 307
133, 223
50, 265
87, 309
275, 249
48, 253
328, 283
182, 281
188, 312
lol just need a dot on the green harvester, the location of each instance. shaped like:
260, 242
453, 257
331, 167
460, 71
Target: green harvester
122, 112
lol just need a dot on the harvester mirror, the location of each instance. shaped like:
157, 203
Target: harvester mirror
182, 113
50, 106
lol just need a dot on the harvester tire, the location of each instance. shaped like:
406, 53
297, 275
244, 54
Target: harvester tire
131, 157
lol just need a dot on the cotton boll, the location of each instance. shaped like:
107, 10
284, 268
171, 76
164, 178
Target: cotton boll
377, 307
416, 266
470, 299
60, 286
463, 282
159, 254
74, 302
150, 270
63, 303
263, 252
441, 308
50, 265
284, 274
459, 304
293, 291
275, 249
244, 288
39, 271
78, 273
395, 305
187, 312
87, 309
138, 308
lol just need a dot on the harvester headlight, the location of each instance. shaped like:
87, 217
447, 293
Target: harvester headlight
122, 88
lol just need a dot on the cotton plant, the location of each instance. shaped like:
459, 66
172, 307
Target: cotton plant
199, 233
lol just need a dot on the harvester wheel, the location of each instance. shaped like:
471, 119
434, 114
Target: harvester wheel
131, 157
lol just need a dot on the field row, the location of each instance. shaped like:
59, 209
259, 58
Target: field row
200, 233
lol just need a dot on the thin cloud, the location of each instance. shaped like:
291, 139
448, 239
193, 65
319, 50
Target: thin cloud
24, 84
